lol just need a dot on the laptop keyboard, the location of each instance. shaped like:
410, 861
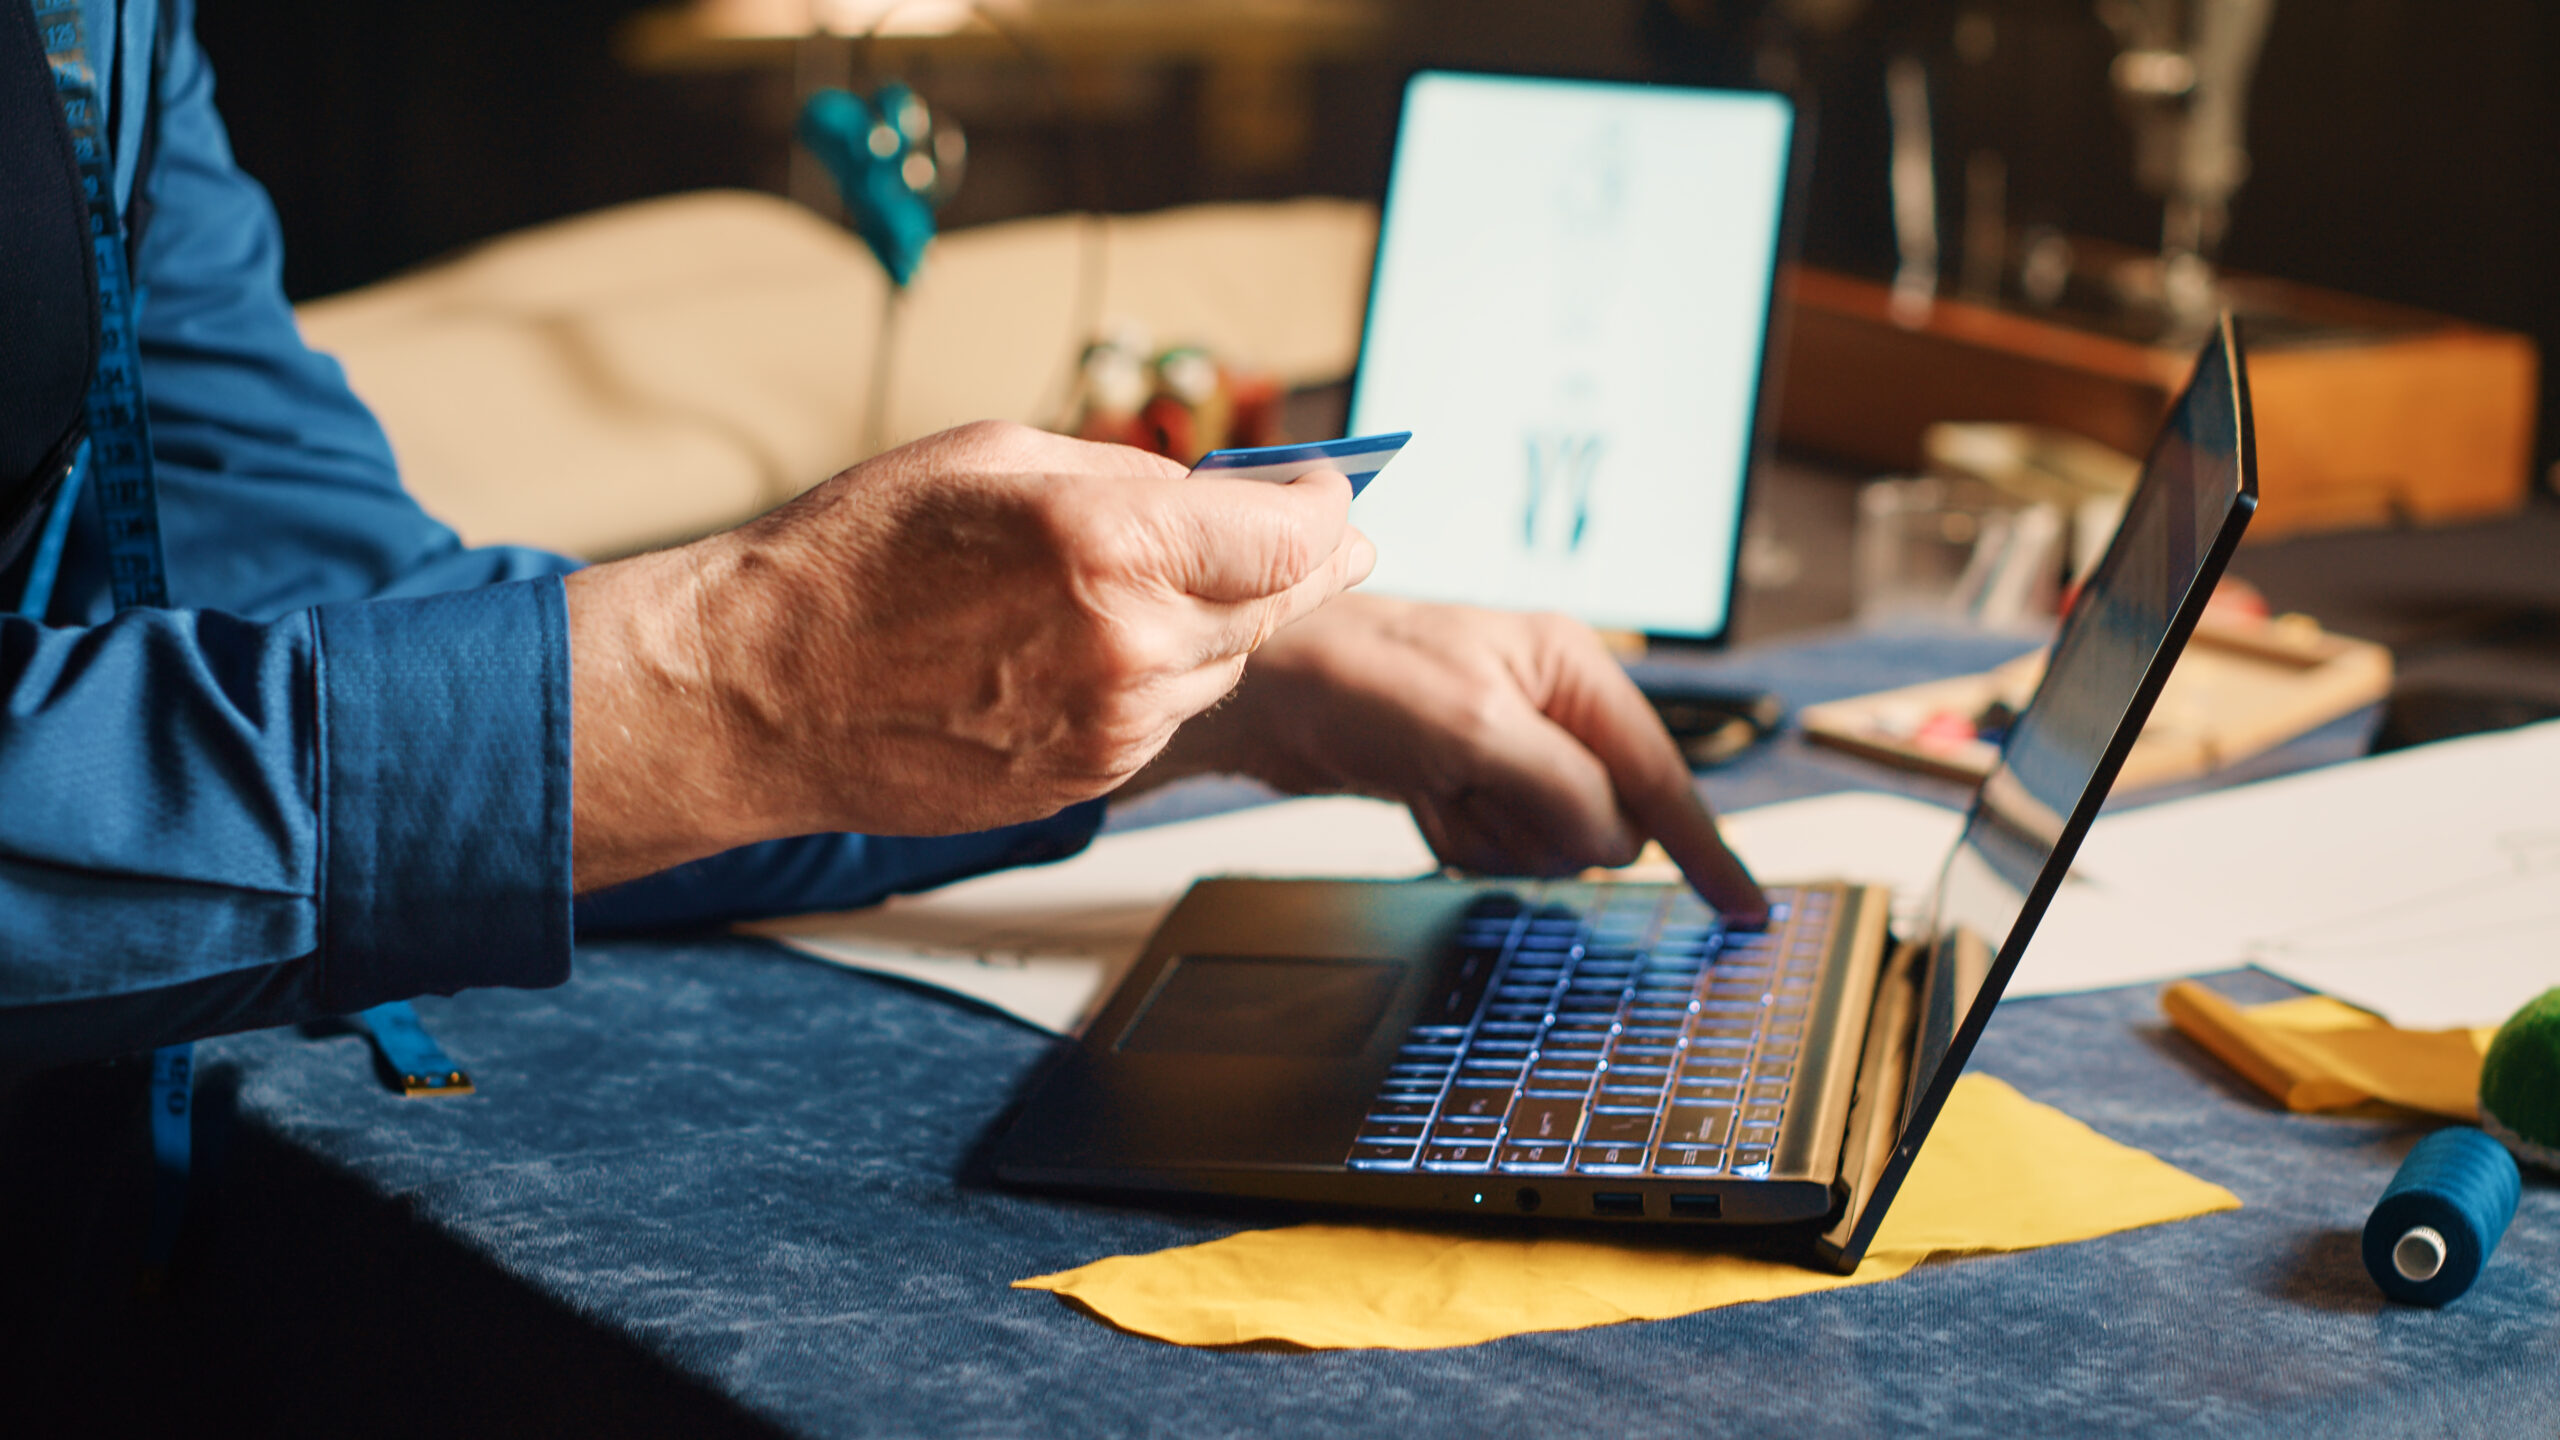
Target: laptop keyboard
1630, 1034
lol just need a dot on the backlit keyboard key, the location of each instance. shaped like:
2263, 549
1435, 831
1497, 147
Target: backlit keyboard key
1382, 1156
1536, 1119
1457, 1157
1628, 1099
1609, 1159
1689, 1160
1534, 1157
1407, 1130
1619, 1127
1481, 1101
1697, 1125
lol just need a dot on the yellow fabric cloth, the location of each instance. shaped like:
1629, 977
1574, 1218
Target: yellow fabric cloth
2000, 1172
2317, 1053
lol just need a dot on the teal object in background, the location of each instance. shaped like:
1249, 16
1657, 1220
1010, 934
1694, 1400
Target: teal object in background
884, 167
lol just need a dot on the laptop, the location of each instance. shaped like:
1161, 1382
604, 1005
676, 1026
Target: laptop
1571, 310
1611, 1051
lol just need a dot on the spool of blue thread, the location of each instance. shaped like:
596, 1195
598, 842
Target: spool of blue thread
2441, 1216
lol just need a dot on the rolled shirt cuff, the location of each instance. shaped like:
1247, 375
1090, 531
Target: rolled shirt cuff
445, 793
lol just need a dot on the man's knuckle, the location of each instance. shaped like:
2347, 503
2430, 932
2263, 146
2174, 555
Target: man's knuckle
1558, 632
1294, 557
993, 436
1478, 720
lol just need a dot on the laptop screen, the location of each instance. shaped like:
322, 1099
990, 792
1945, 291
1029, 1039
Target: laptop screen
2116, 646
1570, 312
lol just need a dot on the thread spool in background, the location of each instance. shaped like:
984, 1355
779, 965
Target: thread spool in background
2441, 1216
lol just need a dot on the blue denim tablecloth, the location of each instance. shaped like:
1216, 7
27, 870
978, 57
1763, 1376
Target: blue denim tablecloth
713, 1189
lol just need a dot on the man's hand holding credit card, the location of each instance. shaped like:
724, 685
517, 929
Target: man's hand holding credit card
1358, 459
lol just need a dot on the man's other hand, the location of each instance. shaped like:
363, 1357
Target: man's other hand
1519, 744
980, 628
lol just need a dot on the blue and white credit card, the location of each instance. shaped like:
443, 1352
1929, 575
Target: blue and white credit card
1359, 459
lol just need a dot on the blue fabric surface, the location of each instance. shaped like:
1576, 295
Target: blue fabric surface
744, 1166
710, 1188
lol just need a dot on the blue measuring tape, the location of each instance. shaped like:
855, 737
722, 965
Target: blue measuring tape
119, 448
116, 458
118, 462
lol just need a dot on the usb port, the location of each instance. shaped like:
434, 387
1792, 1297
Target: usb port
1697, 1207
1617, 1202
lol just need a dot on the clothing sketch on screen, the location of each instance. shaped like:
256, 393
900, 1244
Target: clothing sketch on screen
1562, 451
1562, 462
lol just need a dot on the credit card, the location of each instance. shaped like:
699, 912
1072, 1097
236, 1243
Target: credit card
1359, 459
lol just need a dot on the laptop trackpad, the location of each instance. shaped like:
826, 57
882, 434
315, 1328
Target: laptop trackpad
1264, 1005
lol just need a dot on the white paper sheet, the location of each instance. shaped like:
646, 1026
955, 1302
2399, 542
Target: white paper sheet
2422, 885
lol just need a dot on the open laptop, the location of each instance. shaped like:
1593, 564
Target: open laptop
1609, 1050
1571, 311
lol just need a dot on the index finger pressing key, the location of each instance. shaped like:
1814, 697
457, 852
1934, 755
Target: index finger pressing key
1688, 834
1654, 783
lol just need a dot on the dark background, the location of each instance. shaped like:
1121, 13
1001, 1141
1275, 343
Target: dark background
2405, 149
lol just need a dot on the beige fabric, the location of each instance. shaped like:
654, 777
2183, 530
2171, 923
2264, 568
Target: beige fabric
663, 369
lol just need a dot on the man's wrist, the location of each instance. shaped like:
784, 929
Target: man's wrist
1218, 741
657, 773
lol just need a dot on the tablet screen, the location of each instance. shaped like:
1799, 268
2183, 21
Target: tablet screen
1570, 310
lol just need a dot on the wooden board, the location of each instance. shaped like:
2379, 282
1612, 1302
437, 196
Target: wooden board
2418, 419
2240, 689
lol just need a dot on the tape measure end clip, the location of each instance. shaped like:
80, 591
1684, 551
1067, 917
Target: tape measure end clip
429, 1087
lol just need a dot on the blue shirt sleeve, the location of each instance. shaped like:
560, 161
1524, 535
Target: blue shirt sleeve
341, 776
